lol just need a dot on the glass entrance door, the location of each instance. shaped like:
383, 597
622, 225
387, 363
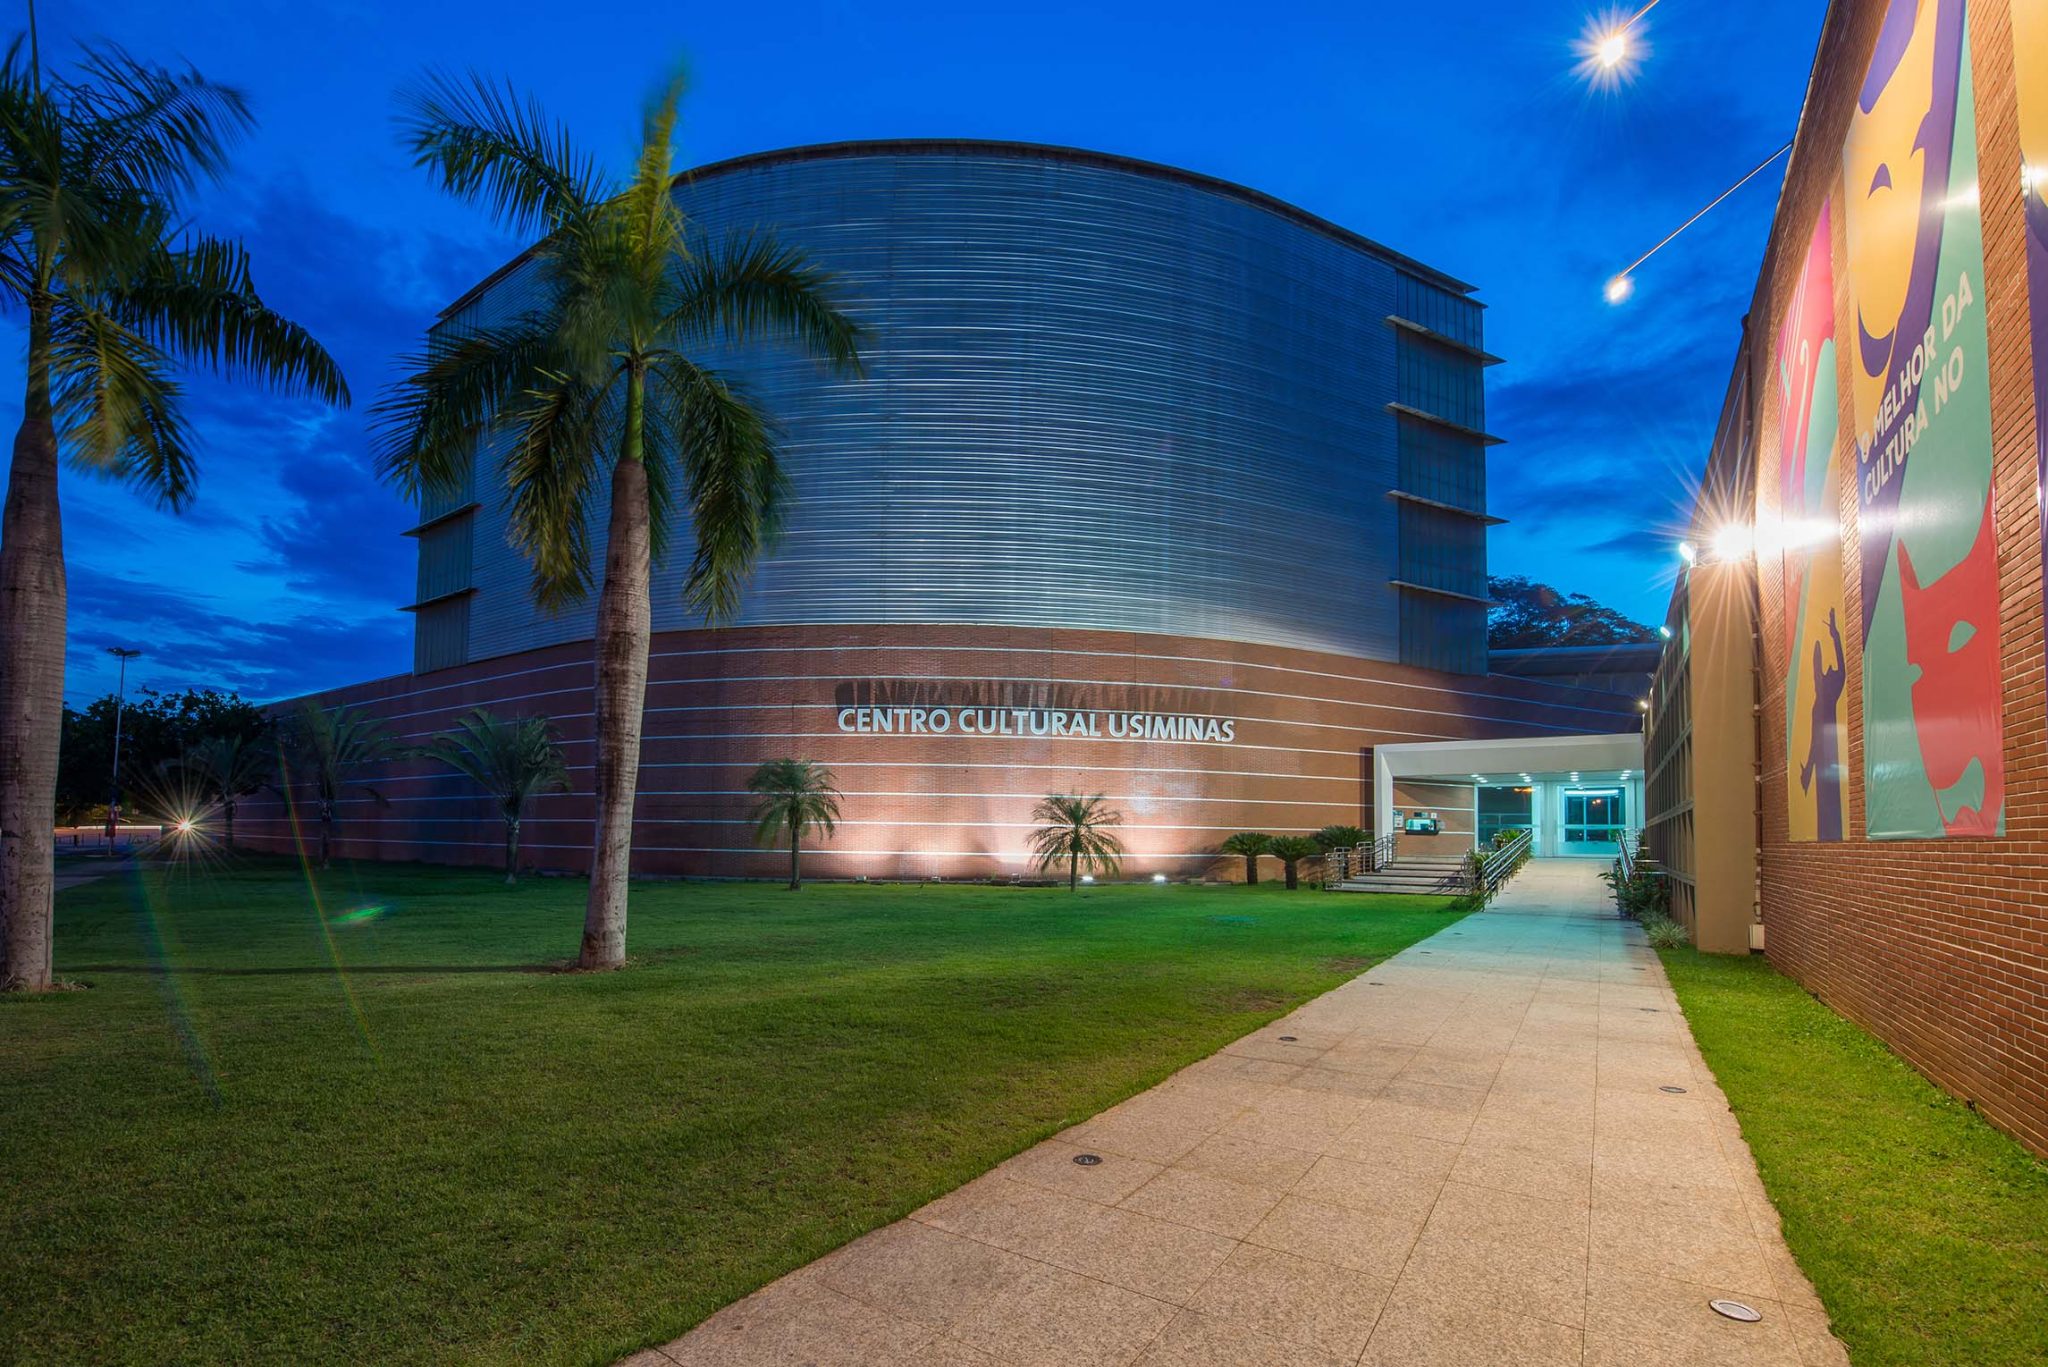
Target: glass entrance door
1595, 819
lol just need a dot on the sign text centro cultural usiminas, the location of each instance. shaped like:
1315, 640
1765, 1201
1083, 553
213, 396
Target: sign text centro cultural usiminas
1035, 721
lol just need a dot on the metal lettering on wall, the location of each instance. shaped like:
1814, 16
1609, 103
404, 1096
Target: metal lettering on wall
1035, 721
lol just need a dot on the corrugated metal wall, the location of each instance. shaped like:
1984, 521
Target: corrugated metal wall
1095, 396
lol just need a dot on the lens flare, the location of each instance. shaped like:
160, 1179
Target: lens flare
357, 915
1611, 48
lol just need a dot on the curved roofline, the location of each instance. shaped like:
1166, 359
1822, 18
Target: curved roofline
1079, 156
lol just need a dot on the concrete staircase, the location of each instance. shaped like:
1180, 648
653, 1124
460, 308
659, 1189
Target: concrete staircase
1438, 874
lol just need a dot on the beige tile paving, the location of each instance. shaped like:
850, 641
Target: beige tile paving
1464, 1156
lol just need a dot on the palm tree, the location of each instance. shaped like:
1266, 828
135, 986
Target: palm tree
511, 760
115, 293
228, 769
328, 748
1290, 850
1076, 829
1340, 838
1250, 844
796, 794
594, 382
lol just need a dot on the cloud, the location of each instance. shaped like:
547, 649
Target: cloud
188, 641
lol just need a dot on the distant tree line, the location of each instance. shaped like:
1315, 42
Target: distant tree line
156, 728
1527, 614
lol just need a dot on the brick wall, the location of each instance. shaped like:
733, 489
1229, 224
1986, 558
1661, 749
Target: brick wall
1940, 947
720, 702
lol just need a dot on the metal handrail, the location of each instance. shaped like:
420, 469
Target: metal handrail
1382, 852
1502, 862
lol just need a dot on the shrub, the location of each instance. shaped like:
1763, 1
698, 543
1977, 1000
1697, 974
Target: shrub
1339, 838
1665, 933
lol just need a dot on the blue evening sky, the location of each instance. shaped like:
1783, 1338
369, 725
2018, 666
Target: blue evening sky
1457, 133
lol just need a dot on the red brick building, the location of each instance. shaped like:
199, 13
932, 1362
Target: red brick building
1848, 746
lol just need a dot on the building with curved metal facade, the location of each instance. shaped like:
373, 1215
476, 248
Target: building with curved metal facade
1130, 443
1097, 393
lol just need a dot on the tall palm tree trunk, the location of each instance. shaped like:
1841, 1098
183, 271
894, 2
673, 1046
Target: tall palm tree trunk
511, 850
1073, 870
32, 609
227, 809
1251, 869
326, 831
796, 880
624, 630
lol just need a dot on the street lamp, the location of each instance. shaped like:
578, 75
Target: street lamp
124, 655
1622, 283
1610, 46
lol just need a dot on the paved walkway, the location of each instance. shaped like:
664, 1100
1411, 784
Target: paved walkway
1466, 1156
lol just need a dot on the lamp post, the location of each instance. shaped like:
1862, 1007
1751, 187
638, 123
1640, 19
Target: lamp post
124, 655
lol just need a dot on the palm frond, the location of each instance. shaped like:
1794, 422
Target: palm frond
553, 449
200, 303
150, 128
794, 795
116, 405
750, 287
731, 473
511, 760
229, 766
427, 428
490, 147
1077, 828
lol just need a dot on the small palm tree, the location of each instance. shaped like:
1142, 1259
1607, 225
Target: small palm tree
591, 395
1250, 844
114, 293
327, 748
1076, 829
1339, 838
228, 769
512, 760
794, 795
1290, 850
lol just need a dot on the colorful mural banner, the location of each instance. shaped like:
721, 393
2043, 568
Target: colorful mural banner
1809, 519
2030, 82
1933, 736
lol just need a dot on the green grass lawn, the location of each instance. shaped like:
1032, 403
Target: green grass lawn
1924, 1229
374, 1127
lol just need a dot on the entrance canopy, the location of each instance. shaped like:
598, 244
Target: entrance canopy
1578, 795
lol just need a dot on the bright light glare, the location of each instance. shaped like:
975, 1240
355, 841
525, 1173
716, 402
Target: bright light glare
185, 826
1734, 542
1159, 878
1087, 877
1620, 288
1610, 47
1687, 553
1665, 632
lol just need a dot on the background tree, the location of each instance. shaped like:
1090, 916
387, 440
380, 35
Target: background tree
1077, 830
512, 760
794, 795
156, 729
1527, 614
1290, 850
594, 382
1339, 838
1250, 844
95, 255
227, 769
325, 750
